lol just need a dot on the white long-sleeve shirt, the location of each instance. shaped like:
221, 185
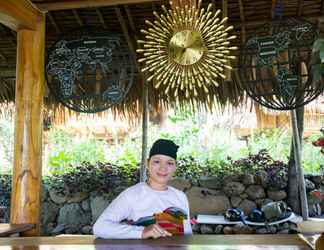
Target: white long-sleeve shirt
135, 202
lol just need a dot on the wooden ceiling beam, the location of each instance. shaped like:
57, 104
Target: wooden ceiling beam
154, 7
7, 71
225, 8
52, 35
130, 20
214, 4
127, 37
77, 17
19, 14
53, 22
78, 4
300, 8
7, 90
312, 18
9, 35
4, 58
242, 17
101, 18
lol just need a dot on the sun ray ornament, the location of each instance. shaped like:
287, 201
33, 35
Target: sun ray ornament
186, 49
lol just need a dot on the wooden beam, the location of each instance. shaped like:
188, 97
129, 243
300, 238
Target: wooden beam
7, 92
127, 37
154, 7
300, 7
53, 22
225, 8
4, 58
30, 86
19, 14
52, 34
13, 33
8, 35
77, 17
145, 124
311, 18
131, 21
214, 5
78, 4
101, 18
297, 133
145, 99
242, 17
7, 72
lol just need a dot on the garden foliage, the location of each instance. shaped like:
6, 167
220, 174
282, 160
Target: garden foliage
203, 150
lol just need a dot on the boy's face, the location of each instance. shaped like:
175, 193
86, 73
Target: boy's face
161, 169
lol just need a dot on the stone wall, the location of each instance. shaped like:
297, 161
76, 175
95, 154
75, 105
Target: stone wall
75, 213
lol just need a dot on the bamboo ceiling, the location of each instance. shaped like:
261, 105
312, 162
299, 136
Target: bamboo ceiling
128, 19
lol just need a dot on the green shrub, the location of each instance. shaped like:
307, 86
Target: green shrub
210, 151
5, 189
7, 143
313, 160
278, 143
275, 141
67, 151
86, 177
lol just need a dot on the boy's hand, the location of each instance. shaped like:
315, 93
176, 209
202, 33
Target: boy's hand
154, 231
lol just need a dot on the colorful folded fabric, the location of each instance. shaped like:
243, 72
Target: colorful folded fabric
171, 219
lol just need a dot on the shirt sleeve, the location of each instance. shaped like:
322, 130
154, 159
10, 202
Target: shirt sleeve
186, 224
108, 224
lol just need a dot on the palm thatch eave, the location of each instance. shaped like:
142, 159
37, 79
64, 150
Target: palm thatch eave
128, 20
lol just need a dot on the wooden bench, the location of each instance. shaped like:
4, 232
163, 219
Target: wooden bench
7, 230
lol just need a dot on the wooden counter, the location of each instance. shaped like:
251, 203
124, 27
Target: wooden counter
196, 242
11, 229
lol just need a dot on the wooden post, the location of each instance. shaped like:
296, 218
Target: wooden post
145, 100
145, 122
27, 172
300, 172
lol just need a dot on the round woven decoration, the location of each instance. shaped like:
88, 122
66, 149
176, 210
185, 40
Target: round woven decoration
89, 72
277, 67
186, 49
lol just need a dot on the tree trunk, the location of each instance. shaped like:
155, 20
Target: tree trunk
293, 191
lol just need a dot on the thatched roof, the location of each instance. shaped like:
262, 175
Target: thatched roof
245, 15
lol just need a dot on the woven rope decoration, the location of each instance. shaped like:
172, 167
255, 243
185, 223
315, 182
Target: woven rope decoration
186, 49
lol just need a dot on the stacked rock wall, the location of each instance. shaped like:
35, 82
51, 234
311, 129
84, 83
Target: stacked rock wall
75, 213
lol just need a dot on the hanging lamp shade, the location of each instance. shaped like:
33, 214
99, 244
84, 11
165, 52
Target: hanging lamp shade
277, 66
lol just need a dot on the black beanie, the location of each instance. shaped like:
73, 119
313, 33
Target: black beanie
164, 147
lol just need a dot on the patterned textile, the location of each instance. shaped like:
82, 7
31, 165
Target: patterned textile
171, 219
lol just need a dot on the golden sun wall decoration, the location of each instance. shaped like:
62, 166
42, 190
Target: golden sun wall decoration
186, 49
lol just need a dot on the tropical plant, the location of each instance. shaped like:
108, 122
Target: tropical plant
67, 151
6, 147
